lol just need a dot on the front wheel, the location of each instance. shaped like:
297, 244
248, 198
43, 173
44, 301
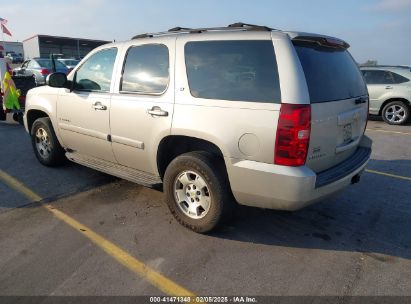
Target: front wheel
396, 113
197, 191
45, 143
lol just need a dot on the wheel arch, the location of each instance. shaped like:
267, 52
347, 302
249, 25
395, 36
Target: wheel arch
174, 145
32, 115
35, 113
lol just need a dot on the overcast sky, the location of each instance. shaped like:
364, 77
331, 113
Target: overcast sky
376, 29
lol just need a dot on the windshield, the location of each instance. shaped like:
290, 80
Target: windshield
331, 74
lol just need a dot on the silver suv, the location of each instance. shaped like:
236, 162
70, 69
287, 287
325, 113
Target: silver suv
390, 92
242, 114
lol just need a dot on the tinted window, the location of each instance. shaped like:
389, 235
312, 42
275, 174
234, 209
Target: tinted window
378, 77
331, 74
398, 78
95, 74
146, 69
233, 70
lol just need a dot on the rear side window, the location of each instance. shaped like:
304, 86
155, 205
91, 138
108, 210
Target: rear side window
398, 78
233, 70
383, 77
331, 74
378, 77
146, 69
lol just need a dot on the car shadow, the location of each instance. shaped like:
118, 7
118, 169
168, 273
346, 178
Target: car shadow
373, 217
18, 161
379, 118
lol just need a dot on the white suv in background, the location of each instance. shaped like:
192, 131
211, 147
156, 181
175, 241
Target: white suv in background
390, 92
243, 113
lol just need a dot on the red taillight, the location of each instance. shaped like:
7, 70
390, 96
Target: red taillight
44, 72
293, 135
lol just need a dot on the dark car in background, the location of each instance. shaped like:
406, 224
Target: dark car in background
40, 68
14, 57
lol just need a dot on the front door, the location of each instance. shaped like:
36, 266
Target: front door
83, 114
142, 105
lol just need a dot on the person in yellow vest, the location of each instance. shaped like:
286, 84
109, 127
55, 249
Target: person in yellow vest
10, 93
3, 69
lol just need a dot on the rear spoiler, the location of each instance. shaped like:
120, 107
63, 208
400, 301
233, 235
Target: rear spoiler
323, 41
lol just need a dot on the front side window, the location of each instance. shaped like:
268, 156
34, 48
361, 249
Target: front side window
146, 69
95, 74
233, 70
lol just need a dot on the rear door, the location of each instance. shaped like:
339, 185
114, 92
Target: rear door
339, 102
142, 106
379, 84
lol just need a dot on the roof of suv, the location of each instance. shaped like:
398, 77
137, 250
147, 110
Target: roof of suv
238, 28
246, 27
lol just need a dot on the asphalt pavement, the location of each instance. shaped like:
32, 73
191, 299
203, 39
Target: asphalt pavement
357, 243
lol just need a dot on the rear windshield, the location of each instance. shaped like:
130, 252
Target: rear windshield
331, 74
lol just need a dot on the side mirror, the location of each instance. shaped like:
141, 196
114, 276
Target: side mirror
57, 80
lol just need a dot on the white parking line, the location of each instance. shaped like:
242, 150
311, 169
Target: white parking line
387, 131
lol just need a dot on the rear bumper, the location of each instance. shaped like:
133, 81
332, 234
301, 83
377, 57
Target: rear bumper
292, 188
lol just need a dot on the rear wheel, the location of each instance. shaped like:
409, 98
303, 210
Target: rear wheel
395, 113
197, 191
45, 144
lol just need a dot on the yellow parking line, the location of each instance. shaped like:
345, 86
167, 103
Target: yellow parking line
387, 131
158, 280
388, 174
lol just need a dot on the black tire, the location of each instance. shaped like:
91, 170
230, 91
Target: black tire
405, 113
55, 155
212, 169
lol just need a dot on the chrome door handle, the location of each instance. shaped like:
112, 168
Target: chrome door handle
157, 111
99, 106
388, 87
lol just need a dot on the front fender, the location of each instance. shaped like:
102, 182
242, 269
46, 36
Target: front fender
43, 99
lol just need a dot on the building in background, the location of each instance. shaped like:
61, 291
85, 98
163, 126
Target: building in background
12, 47
44, 45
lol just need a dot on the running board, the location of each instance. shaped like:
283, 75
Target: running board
120, 171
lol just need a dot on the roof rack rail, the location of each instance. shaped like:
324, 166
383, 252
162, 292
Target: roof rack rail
386, 66
179, 28
234, 26
392, 66
251, 27
146, 35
